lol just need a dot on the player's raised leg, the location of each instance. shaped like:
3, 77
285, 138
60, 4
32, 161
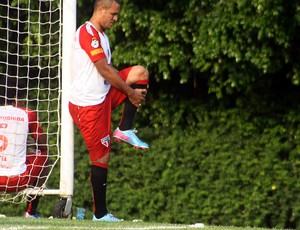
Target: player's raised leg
138, 78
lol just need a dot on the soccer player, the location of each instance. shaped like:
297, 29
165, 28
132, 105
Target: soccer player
19, 168
97, 89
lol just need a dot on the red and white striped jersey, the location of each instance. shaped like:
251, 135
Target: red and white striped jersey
88, 86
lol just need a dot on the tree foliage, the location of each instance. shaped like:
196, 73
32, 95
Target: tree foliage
230, 44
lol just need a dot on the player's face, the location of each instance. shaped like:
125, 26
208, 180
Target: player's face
109, 16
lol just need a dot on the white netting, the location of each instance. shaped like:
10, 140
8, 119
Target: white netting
30, 51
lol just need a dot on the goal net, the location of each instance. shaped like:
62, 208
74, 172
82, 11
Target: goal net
30, 52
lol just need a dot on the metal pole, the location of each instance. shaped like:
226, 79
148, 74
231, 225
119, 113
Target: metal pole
67, 127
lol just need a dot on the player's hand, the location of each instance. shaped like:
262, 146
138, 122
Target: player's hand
138, 97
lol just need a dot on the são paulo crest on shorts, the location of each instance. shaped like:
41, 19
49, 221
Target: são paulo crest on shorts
105, 141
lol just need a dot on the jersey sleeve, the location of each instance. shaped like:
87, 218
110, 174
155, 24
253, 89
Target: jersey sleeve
90, 43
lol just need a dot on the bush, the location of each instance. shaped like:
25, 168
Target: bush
220, 167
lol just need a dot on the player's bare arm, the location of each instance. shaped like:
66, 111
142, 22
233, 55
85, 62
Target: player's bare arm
136, 96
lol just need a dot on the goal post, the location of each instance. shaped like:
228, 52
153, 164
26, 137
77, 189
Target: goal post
67, 131
36, 39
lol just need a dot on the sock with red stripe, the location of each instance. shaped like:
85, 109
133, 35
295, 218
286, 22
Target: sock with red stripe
32, 206
98, 181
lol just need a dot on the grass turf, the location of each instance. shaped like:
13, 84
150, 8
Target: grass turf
63, 224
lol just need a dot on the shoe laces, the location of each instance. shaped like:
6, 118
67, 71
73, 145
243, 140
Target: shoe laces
134, 130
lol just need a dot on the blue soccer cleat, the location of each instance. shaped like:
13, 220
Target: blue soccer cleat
129, 137
108, 217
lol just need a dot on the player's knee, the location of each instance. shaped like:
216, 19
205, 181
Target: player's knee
138, 75
141, 72
145, 74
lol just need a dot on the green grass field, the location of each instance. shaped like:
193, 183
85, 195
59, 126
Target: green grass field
15, 223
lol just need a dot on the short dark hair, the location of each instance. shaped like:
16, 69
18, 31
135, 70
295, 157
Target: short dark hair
11, 88
105, 3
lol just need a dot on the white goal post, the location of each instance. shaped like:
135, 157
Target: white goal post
35, 45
